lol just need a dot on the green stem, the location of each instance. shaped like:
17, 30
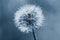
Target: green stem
33, 34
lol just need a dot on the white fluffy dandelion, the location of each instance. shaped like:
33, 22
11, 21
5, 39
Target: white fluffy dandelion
28, 18
26, 23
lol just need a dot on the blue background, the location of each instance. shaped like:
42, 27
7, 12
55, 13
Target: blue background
50, 29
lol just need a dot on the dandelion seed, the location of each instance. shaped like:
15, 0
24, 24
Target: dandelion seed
28, 17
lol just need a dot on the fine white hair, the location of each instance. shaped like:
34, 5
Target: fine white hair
25, 10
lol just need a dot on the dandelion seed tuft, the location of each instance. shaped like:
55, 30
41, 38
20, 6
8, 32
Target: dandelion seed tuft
28, 17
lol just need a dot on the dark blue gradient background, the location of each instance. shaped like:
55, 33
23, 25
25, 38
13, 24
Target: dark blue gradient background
50, 29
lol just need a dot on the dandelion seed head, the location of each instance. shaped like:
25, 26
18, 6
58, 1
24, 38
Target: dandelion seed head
25, 22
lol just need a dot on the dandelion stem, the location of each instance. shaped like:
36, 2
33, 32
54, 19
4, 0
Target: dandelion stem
33, 34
